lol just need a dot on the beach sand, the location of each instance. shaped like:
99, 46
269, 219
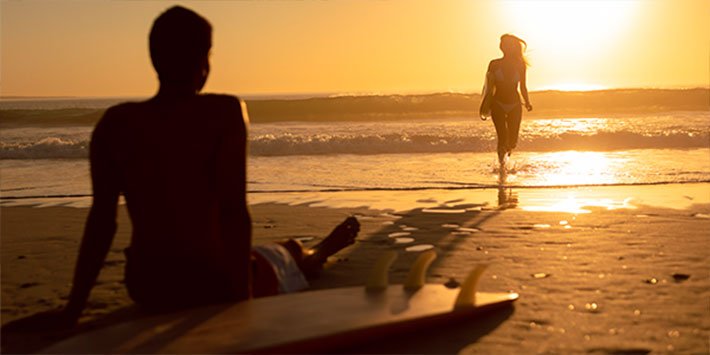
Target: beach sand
634, 279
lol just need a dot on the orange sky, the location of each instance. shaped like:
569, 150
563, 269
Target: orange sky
99, 48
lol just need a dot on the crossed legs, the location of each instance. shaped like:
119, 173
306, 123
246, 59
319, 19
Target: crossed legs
309, 260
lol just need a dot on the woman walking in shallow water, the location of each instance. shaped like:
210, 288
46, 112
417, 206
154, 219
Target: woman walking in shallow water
501, 97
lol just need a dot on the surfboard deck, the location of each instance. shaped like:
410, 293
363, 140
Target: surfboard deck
302, 322
487, 97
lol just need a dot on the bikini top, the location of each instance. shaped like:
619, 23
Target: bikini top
501, 78
506, 90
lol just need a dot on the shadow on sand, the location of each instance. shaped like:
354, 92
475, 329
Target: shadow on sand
443, 227
19, 339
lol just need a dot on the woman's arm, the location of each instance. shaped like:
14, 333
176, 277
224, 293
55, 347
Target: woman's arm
524, 88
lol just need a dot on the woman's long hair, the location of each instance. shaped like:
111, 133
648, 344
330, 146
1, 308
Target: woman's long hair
514, 47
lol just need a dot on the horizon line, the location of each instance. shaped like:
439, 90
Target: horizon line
256, 96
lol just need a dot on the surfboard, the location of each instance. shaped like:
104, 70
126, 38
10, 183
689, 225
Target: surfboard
312, 321
487, 97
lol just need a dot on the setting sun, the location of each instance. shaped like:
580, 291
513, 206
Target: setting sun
573, 25
569, 37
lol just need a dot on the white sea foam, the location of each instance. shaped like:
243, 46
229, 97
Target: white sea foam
422, 136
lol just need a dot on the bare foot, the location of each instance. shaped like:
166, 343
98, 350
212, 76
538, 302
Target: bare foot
501, 158
342, 236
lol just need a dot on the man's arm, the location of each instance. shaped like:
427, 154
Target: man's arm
101, 223
100, 227
234, 218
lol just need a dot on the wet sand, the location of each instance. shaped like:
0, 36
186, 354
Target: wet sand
634, 279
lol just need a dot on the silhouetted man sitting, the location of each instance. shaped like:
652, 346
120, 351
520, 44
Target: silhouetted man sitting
179, 159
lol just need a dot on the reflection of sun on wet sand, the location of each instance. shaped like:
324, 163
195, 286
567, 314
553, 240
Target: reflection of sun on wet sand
591, 278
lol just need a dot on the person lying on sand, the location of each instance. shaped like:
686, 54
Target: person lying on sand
179, 159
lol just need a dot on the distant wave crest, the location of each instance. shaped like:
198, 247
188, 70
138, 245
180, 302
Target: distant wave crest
12, 118
47, 148
367, 108
288, 144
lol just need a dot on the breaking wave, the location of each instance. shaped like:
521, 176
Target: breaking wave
288, 144
47, 148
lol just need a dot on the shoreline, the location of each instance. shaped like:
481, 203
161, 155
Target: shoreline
585, 276
677, 196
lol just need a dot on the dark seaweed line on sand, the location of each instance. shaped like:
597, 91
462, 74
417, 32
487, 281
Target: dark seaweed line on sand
480, 187
422, 188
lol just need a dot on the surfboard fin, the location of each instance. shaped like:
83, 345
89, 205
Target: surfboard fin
417, 274
467, 295
378, 278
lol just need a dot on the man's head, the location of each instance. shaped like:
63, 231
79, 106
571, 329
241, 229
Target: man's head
180, 42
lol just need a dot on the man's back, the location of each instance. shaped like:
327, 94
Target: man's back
180, 164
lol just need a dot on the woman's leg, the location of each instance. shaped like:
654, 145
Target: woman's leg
499, 120
513, 122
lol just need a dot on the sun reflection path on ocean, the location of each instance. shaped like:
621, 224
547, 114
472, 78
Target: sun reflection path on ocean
584, 126
572, 168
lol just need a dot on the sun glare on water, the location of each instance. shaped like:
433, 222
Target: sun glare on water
573, 168
577, 168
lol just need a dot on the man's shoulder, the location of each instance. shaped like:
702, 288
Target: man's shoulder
224, 108
123, 109
114, 113
113, 119
221, 100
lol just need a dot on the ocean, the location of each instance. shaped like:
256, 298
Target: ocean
311, 149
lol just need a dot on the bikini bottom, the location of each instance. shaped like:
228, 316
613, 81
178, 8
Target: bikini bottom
508, 107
